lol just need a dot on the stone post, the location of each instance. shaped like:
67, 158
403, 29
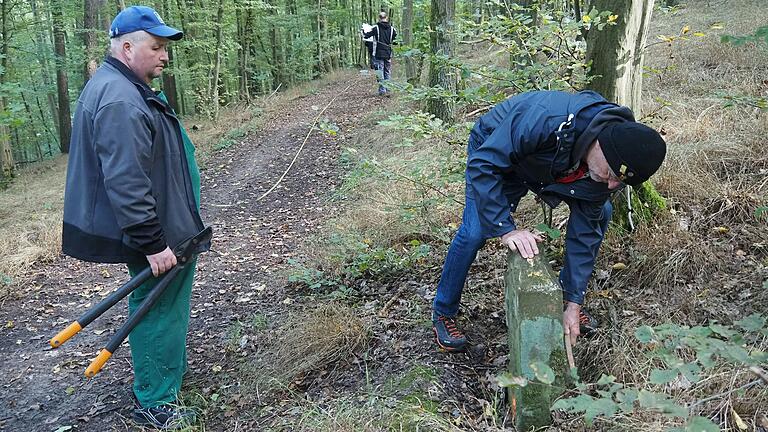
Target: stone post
534, 306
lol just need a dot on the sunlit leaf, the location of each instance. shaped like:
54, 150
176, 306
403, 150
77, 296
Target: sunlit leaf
543, 372
509, 380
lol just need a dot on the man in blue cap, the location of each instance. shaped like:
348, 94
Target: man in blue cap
132, 193
573, 148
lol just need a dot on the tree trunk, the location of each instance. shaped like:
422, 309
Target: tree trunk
42, 40
89, 39
616, 54
7, 164
442, 44
62, 81
616, 51
169, 78
217, 62
407, 31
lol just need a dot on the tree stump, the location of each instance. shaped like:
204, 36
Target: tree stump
534, 306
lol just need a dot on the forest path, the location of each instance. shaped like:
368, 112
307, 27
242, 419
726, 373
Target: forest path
42, 389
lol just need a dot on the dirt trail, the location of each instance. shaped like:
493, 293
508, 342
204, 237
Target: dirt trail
44, 390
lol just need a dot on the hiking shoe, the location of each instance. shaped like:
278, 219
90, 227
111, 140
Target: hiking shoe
163, 417
448, 334
587, 323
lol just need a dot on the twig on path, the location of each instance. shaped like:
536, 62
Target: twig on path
311, 128
385, 310
759, 372
20, 375
273, 93
569, 351
725, 393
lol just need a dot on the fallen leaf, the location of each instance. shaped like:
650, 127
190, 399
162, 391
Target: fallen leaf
619, 266
216, 368
737, 419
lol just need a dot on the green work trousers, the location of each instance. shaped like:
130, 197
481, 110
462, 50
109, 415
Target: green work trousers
159, 341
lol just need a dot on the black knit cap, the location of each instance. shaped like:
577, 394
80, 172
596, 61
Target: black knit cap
633, 150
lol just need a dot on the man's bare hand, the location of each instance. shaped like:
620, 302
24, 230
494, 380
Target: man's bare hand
522, 241
161, 262
571, 326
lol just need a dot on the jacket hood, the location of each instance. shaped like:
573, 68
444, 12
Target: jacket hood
600, 116
384, 24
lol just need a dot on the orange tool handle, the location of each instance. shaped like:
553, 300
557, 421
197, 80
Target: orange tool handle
65, 334
98, 363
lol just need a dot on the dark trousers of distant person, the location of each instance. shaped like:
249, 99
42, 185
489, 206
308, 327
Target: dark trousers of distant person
383, 68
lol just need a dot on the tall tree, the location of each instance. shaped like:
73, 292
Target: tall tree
407, 31
90, 15
169, 76
7, 164
442, 44
42, 42
616, 52
217, 60
62, 79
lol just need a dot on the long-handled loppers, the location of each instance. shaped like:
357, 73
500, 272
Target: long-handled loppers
184, 254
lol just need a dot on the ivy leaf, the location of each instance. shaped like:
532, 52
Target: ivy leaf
663, 376
723, 331
691, 372
644, 334
626, 399
752, 323
549, 231
701, 424
588, 405
660, 402
543, 372
606, 379
600, 407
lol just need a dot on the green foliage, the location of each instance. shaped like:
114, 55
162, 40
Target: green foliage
549, 231
542, 53
761, 213
360, 260
687, 352
420, 124
328, 127
760, 35
730, 100
313, 278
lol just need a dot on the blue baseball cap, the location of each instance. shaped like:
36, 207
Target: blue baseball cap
145, 18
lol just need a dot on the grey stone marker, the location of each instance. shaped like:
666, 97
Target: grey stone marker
534, 306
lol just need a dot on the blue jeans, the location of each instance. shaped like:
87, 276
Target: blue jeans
383, 69
578, 262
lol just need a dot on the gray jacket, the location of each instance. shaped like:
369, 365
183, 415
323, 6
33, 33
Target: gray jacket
128, 192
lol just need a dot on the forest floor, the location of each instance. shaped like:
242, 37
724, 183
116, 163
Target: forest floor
242, 280
276, 346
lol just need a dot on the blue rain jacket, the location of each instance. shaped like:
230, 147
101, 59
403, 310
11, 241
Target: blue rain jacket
526, 143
